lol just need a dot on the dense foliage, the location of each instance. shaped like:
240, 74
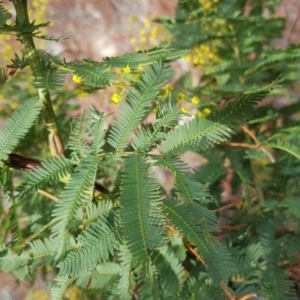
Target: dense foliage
93, 211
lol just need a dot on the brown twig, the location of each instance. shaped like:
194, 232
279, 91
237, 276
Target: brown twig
251, 134
233, 204
22, 163
192, 250
226, 291
248, 296
241, 145
257, 145
230, 228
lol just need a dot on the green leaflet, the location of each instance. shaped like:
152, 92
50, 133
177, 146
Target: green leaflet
198, 134
59, 287
147, 137
215, 255
98, 242
140, 209
52, 171
49, 79
285, 146
78, 191
170, 271
137, 104
17, 126
5, 15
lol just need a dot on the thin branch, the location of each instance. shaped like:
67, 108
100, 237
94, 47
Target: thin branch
248, 296
226, 291
251, 134
37, 233
230, 228
192, 250
47, 195
35, 63
242, 145
22, 163
233, 204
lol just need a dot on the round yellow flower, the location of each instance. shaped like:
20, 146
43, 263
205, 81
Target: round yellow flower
163, 93
206, 111
126, 69
137, 77
180, 96
116, 98
170, 88
195, 100
184, 110
77, 79
142, 31
81, 92
147, 23
198, 114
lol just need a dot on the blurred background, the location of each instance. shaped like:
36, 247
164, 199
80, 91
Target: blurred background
98, 29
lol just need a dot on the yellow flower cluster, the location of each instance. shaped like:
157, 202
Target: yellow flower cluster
74, 293
184, 110
147, 36
203, 113
202, 55
208, 4
166, 92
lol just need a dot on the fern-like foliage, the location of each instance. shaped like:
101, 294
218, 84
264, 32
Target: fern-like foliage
59, 287
170, 271
71, 198
286, 147
49, 79
17, 126
137, 104
53, 170
145, 57
139, 203
275, 284
168, 117
211, 251
114, 227
5, 15
98, 242
200, 133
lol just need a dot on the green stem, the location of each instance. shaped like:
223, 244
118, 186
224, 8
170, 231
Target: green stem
31, 55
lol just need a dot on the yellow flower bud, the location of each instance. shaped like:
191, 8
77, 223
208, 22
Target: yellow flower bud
180, 97
198, 114
126, 69
170, 88
81, 92
77, 79
116, 98
195, 100
206, 111
184, 110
